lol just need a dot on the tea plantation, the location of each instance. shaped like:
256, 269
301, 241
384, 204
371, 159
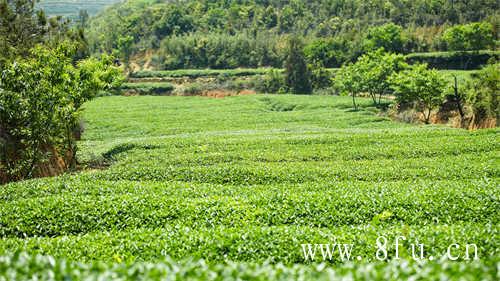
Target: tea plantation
193, 188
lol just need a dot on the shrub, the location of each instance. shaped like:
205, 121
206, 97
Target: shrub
148, 88
483, 93
273, 82
40, 102
192, 89
321, 78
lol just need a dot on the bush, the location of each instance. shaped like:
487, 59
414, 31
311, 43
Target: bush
193, 89
321, 78
329, 52
483, 93
197, 73
40, 101
273, 82
148, 88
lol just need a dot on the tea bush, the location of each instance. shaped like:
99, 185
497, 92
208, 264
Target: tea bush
221, 189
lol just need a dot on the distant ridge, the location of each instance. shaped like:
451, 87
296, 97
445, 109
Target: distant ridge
71, 8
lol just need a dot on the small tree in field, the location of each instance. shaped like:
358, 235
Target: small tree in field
375, 69
421, 86
347, 82
297, 74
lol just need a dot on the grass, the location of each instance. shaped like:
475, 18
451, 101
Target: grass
242, 182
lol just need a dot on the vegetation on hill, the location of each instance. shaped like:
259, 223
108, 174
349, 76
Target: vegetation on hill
74, 8
229, 34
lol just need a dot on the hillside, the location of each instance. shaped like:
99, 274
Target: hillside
229, 34
71, 8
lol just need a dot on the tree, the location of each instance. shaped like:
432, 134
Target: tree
269, 17
297, 74
375, 69
421, 86
330, 52
388, 36
20, 28
124, 45
469, 37
173, 21
348, 82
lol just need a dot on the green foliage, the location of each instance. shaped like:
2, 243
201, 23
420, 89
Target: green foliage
273, 82
371, 74
197, 73
330, 52
219, 51
250, 33
192, 89
421, 86
454, 60
20, 28
470, 37
388, 36
483, 92
175, 20
28, 267
124, 48
40, 102
348, 81
243, 181
257, 184
148, 88
297, 73
321, 78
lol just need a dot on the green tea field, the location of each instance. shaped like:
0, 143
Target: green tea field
195, 188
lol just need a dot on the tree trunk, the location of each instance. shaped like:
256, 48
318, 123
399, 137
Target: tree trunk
374, 98
458, 100
354, 101
428, 116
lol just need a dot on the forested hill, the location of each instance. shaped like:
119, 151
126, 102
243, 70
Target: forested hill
72, 8
253, 29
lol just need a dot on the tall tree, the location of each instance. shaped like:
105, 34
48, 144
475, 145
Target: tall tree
297, 74
20, 28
